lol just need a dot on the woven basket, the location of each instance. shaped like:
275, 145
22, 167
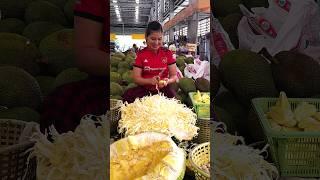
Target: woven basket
204, 131
198, 156
13, 158
115, 105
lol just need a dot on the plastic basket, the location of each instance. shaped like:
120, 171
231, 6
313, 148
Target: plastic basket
294, 153
198, 156
13, 156
115, 105
202, 110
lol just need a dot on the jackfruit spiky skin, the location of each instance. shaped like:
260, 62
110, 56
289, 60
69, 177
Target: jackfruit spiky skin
12, 25
202, 85
18, 88
115, 89
14, 8
36, 31
241, 72
20, 113
187, 85
57, 49
115, 77
16, 50
230, 25
296, 74
68, 76
44, 11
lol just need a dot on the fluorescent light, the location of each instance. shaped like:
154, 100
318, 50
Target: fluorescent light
114, 1
137, 1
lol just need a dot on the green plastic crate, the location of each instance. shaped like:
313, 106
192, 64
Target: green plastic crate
202, 110
294, 153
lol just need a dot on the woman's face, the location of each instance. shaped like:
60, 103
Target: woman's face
154, 40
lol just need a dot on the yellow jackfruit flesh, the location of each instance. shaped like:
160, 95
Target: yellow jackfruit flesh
149, 156
304, 110
281, 113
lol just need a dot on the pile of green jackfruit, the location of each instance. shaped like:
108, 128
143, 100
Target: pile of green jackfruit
36, 54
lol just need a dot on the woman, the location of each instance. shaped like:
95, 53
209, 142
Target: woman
64, 107
154, 68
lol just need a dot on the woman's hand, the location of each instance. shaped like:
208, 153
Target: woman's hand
154, 80
163, 83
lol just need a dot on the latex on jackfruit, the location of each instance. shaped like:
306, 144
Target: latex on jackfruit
281, 113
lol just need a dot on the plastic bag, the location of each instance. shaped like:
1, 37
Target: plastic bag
197, 70
295, 23
220, 41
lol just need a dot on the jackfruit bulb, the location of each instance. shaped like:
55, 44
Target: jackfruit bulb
281, 113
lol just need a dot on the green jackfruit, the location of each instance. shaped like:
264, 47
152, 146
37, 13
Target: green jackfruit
230, 25
57, 48
189, 60
131, 85
122, 70
202, 84
119, 55
46, 84
115, 89
21, 113
123, 64
296, 74
187, 85
115, 77
113, 69
127, 77
241, 72
58, 3
12, 25
180, 61
114, 61
16, 50
175, 86
116, 97
68, 10
36, 31
44, 11
13, 8
68, 76
223, 8
18, 88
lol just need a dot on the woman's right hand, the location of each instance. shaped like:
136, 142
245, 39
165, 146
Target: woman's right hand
154, 80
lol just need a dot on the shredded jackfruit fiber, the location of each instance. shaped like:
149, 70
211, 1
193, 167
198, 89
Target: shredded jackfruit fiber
78, 155
233, 162
158, 113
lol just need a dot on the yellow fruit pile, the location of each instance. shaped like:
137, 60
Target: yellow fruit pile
201, 98
303, 118
146, 156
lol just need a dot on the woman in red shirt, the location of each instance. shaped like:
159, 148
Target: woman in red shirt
154, 68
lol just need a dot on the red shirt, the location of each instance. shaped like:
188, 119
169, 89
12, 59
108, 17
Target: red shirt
95, 10
154, 64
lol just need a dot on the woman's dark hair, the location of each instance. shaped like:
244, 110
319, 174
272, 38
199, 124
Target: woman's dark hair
153, 26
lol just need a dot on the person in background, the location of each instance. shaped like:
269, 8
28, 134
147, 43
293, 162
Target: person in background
135, 48
67, 104
173, 49
154, 68
143, 46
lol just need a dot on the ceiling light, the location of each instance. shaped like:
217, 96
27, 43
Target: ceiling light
137, 1
114, 1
